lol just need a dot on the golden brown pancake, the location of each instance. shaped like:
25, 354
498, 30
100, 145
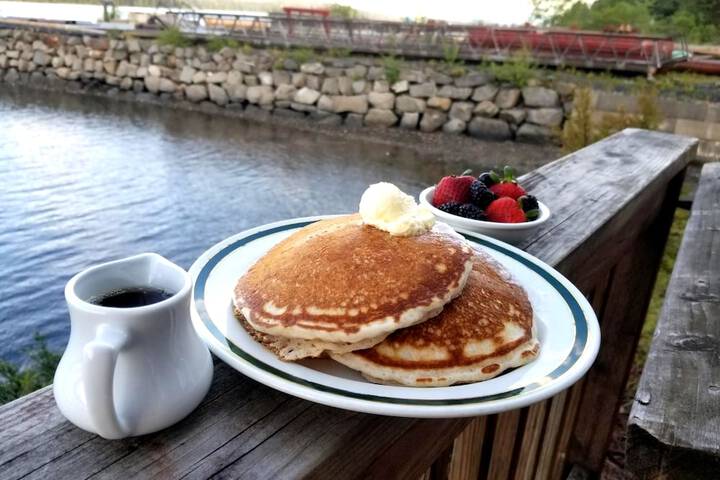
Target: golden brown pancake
341, 281
486, 330
291, 349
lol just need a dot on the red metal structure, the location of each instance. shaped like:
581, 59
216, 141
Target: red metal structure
577, 47
323, 13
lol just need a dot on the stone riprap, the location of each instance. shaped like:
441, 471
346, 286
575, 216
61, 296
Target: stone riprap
351, 91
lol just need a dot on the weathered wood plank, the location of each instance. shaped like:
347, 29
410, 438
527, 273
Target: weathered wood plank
503, 445
532, 433
674, 425
467, 451
600, 198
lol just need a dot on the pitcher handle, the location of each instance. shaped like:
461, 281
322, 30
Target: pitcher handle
98, 374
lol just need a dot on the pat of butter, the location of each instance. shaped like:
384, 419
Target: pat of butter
385, 206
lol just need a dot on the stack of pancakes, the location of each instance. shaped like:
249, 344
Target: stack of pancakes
383, 304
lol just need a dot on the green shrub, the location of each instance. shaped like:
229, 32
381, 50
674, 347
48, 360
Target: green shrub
15, 383
578, 129
392, 66
518, 69
247, 49
302, 55
216, 44
174, 37
339, 52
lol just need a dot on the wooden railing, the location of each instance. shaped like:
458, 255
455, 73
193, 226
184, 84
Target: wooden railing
612, 206
674, 425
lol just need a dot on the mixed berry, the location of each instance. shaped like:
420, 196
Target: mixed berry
490, 196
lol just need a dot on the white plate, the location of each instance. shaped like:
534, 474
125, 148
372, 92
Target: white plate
567, 329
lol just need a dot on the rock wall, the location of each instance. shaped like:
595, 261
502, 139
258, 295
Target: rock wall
349, 91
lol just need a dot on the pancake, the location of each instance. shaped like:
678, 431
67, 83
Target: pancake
290, 349
485, 331
340, 281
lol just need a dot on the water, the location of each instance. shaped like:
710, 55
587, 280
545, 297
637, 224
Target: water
87, 180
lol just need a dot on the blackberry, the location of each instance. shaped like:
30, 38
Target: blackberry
489, 178
480, 194
471, 211
529, 205
451, 207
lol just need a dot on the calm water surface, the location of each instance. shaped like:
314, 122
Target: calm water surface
87, 180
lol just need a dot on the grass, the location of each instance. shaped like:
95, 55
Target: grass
663, 277
174, 37
216, 44
392, 66
16, 382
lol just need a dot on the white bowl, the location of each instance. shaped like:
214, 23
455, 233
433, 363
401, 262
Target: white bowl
507, 232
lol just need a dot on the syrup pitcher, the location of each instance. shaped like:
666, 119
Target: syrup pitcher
133, 364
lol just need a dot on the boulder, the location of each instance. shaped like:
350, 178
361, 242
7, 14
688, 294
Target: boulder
166, 85
376, 73
432, 120
330, 86
302, 107
198, 77
326, 118
423, 90
462, 111
325, 103
237, 92
260, 95
513, 115
153, 70
314, 68
280, 77
298, 80
401, 86
409, 121
354, 120
540, 97
486, 92
441, 103
345, 85
439, 78
412, 76
234, 78
474, 79
196, 93
356, 72
265, 78
352, 104
152, 83
313, 81
359, 87
381, 86
454, 126
250, 80
217, 94
534, 133
456, 93
486, 109
40, 58
285, 92
382, 100
549, 117
306, 96
408, 104
186, 74
489, 129
507, 98
126, 83
380, 117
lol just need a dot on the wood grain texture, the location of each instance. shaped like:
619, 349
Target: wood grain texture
674, 425
467, 451
601, 198
532, 434
503, 445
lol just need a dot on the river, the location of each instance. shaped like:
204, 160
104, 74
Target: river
86, 180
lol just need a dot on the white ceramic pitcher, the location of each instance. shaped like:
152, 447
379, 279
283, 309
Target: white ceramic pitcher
131, 371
